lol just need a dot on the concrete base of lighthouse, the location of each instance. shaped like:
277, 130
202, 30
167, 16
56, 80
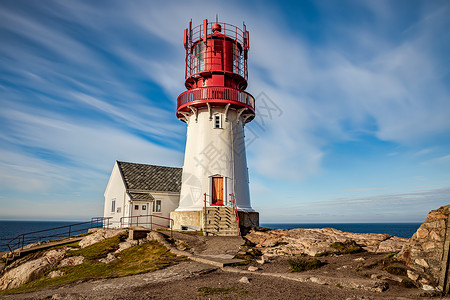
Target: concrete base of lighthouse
194, 220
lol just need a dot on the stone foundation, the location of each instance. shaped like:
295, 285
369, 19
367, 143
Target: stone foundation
193, 220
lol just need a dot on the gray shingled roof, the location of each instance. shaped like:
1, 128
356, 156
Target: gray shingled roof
143, 177
141, 196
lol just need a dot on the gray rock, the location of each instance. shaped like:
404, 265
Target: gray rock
426, 253
312, 241
411, 275
71, 261
125, 245
100, 235
244, 280
30, 270
56, 273
109, 258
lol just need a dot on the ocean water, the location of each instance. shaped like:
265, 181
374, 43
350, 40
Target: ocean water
11, 229
404, 230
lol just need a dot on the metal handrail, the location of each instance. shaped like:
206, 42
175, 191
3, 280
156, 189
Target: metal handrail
236, 214
27, 238
147, 223
204, 228
218, 94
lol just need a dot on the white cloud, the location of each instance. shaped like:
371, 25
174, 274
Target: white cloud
376, 208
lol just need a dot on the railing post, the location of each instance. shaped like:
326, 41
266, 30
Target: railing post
204, 228
70, 229
23, 241
151, 222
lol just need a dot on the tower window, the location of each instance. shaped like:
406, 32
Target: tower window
218, 121
113, 205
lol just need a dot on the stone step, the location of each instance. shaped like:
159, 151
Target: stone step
220, 228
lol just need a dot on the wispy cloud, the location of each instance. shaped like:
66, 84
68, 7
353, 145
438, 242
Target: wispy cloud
84, 83
376, 208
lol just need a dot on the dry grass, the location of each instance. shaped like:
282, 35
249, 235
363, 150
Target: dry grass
143, 258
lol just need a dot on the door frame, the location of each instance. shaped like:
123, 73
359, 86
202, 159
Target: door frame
222, 178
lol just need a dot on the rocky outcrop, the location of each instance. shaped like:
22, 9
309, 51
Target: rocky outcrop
100, 235
31, 270
312, 241
71, 261
427, 252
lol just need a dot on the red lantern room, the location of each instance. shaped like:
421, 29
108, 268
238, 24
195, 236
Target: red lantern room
216, 69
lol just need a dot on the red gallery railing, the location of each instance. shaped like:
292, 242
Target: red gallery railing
216, 94
129, 221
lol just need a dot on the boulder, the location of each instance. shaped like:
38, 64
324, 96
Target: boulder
313, 241
109, 258
31, 270
244, 280
125, 245
71, 261
56, 273
99, 235
427, 252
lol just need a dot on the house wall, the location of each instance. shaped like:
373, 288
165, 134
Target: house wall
115, 190
169, 202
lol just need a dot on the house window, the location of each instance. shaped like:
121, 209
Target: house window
136, 207
144, 207
218, 121
113, 205
157, 206
118, 210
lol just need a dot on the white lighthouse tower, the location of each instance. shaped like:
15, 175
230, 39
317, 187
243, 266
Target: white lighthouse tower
215, 184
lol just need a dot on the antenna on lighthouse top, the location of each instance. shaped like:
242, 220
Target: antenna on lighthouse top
217, 18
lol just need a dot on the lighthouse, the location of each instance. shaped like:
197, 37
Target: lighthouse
216, 108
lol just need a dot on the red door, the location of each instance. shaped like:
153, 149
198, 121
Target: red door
217, 191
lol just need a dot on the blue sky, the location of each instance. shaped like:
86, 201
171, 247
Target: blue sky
353, 104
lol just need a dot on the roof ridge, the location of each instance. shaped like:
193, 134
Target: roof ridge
133, 163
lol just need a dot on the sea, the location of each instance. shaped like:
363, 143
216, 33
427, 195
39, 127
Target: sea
11, 229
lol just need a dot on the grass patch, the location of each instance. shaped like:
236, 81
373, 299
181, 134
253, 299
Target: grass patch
302, 264
391, 255
248, 253
408, 284
100, 249
321, 254
347, 247
143, 258
396, 270
207, 291
339, 286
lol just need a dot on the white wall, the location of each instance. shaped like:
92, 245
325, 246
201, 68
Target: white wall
115, 190
211, 151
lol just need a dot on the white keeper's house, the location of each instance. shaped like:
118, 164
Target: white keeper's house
141, 190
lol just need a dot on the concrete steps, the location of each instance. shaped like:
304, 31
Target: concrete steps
221, 221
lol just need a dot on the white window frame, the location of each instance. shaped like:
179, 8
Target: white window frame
113, 205
155, 206
217, 121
